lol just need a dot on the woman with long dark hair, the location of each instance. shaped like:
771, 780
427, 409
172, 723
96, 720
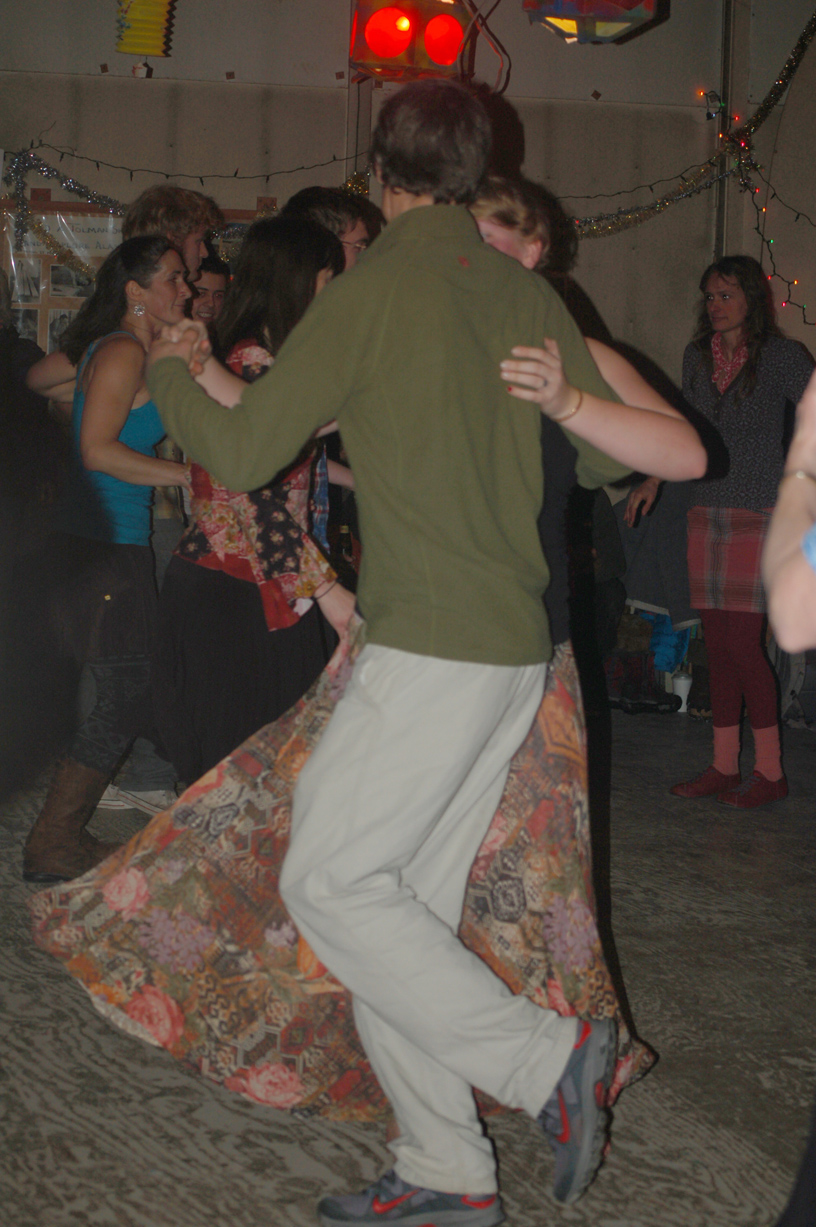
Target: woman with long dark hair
742, 374
250, 600
99, 559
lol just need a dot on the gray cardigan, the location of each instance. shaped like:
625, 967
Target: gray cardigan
752, 428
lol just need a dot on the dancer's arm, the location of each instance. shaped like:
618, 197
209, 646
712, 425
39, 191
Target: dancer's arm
787, 559
53, 376
116, 378
653, 438
337, 605
340, 475
275, 416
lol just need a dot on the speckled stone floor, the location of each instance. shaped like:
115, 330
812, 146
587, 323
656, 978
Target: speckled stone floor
712, 913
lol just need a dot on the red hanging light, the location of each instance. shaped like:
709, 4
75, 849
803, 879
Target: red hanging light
443, 39
406, 39
388, 32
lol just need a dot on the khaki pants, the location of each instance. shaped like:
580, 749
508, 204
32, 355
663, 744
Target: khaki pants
388, 816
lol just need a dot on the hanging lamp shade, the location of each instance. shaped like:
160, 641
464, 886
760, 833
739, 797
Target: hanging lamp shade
144, 27
590, 21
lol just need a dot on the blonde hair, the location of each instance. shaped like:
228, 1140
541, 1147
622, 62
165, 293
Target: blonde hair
518, 205
172, 211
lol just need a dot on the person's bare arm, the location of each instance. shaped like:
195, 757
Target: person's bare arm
189, 340
115, 379
337, 605
633, 389
626, 381
53, 376
340, 475
789, 578
219, 383
653, 439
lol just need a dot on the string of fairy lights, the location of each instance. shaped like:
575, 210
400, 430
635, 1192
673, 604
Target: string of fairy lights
788, 299
734, 158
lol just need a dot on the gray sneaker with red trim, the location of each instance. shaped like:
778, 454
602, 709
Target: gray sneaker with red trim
391, 1201
575, 1118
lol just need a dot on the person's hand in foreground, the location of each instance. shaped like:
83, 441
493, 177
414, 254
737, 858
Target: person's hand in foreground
641, 500
538, 375
187, 340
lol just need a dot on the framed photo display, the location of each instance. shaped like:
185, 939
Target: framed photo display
46, 292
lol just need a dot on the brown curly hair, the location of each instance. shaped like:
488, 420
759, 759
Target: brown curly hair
173, 211
760, 322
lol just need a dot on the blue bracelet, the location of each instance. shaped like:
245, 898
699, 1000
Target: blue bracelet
809, 546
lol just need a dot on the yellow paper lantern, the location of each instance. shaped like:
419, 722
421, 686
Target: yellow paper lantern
144, 27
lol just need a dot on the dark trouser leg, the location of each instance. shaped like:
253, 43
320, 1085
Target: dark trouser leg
58, 848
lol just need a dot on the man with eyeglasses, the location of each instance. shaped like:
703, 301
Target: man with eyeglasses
355, 220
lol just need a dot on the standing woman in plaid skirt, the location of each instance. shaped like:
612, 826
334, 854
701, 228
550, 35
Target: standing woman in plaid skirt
742, 374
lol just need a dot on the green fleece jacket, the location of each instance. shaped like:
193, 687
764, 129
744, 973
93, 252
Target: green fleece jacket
404, 350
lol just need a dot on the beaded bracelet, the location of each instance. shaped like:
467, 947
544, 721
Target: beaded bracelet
572, 412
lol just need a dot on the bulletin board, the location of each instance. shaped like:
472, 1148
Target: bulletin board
46, 292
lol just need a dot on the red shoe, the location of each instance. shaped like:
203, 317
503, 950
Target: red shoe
707, 784
756, 790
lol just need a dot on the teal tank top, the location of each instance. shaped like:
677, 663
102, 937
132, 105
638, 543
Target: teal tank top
97, 505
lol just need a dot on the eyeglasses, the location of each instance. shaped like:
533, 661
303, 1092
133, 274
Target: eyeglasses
362, 245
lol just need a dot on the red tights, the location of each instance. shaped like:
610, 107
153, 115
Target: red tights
738, 667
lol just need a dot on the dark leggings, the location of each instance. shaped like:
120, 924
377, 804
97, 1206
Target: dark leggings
739, 667
120, 688
104, 613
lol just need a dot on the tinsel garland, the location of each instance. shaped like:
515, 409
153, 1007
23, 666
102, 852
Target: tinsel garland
64, 254
734, 158
22, 164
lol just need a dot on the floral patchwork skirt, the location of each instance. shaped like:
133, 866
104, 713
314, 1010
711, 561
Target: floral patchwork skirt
181, 937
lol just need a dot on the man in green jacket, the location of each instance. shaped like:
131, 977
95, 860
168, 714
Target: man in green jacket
404, 350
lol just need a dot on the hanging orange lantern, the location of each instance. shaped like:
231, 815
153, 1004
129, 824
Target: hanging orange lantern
144, 27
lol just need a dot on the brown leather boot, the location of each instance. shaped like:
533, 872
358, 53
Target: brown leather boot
58, 848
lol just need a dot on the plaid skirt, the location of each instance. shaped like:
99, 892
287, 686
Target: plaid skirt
724, 555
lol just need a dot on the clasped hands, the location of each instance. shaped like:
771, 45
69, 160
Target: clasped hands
537, 375
187, 340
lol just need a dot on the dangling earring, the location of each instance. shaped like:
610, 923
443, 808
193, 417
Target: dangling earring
138, 309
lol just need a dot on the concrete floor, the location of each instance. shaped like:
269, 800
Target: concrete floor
712, 913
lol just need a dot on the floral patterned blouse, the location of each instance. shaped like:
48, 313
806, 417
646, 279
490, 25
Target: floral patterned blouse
263, 536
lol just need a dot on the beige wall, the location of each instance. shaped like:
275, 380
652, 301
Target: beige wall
288, 108
642, 280
195, 127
